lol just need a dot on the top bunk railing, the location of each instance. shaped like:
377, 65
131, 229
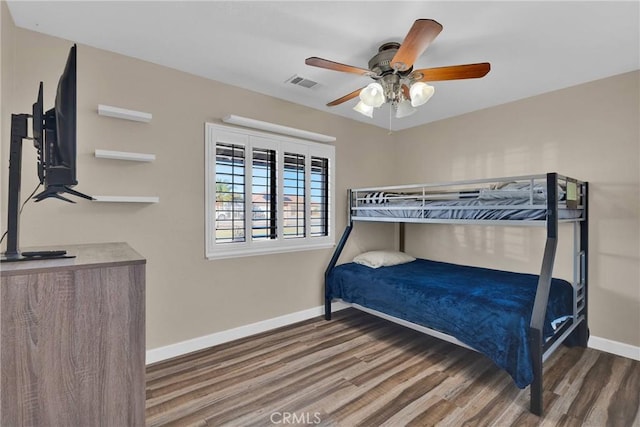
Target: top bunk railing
509, 200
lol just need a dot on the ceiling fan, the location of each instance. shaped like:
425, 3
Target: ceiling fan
396, 81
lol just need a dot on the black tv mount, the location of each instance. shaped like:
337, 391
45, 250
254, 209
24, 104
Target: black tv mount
18, 133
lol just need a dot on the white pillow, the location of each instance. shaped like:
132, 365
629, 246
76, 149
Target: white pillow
375, 259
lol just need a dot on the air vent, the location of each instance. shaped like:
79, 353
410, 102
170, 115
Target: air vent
301, 81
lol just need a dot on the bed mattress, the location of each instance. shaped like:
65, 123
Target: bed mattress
489, 310
472, 209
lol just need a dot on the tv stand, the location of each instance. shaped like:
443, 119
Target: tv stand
18, 133
55, 193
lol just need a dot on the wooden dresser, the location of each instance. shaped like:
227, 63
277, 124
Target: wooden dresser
72, 350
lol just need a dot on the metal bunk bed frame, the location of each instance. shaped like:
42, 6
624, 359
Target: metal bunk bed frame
540, 349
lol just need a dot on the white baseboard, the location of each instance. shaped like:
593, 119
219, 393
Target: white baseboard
200, 343
615, 347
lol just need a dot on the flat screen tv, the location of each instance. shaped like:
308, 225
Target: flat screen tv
54, 136
57, 160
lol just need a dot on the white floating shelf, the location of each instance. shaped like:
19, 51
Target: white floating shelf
127, 199
123, 155
121, 113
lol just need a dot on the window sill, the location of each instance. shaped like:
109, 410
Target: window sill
245, 252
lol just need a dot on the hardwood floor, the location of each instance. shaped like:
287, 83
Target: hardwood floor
361, 370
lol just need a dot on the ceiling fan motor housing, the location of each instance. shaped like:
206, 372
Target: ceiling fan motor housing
381, 62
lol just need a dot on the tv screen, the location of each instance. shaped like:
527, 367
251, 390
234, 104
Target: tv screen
58, 162
65, 119
38, 129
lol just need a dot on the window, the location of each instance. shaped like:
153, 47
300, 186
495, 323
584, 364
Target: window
264, 224
266, 193
293, 195
319, 196
230, 193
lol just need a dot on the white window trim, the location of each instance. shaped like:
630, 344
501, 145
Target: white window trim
213, 134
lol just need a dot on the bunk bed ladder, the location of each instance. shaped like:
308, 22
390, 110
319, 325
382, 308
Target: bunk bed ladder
579, 263
583, 328
542, 294
580, 271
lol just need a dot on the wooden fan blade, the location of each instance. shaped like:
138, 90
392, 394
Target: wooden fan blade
345, 98
453, 72
420, 36
336, 66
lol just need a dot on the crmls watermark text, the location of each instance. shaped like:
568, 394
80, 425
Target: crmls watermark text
295, 418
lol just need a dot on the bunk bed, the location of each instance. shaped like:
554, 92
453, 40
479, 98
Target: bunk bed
517, 320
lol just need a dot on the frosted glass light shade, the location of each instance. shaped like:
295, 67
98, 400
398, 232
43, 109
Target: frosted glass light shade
420, 93
364, 109
404, 109
373, 95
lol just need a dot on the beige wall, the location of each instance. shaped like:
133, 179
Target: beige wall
187, 296
3, 13
590, 132
6, 58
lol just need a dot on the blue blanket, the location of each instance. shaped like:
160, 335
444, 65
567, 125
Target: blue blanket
489, 310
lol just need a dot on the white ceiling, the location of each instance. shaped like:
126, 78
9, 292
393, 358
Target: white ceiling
533, 47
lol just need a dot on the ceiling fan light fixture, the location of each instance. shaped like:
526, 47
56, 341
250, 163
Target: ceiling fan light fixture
364, 109
420, 93
404, 109
373, 95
